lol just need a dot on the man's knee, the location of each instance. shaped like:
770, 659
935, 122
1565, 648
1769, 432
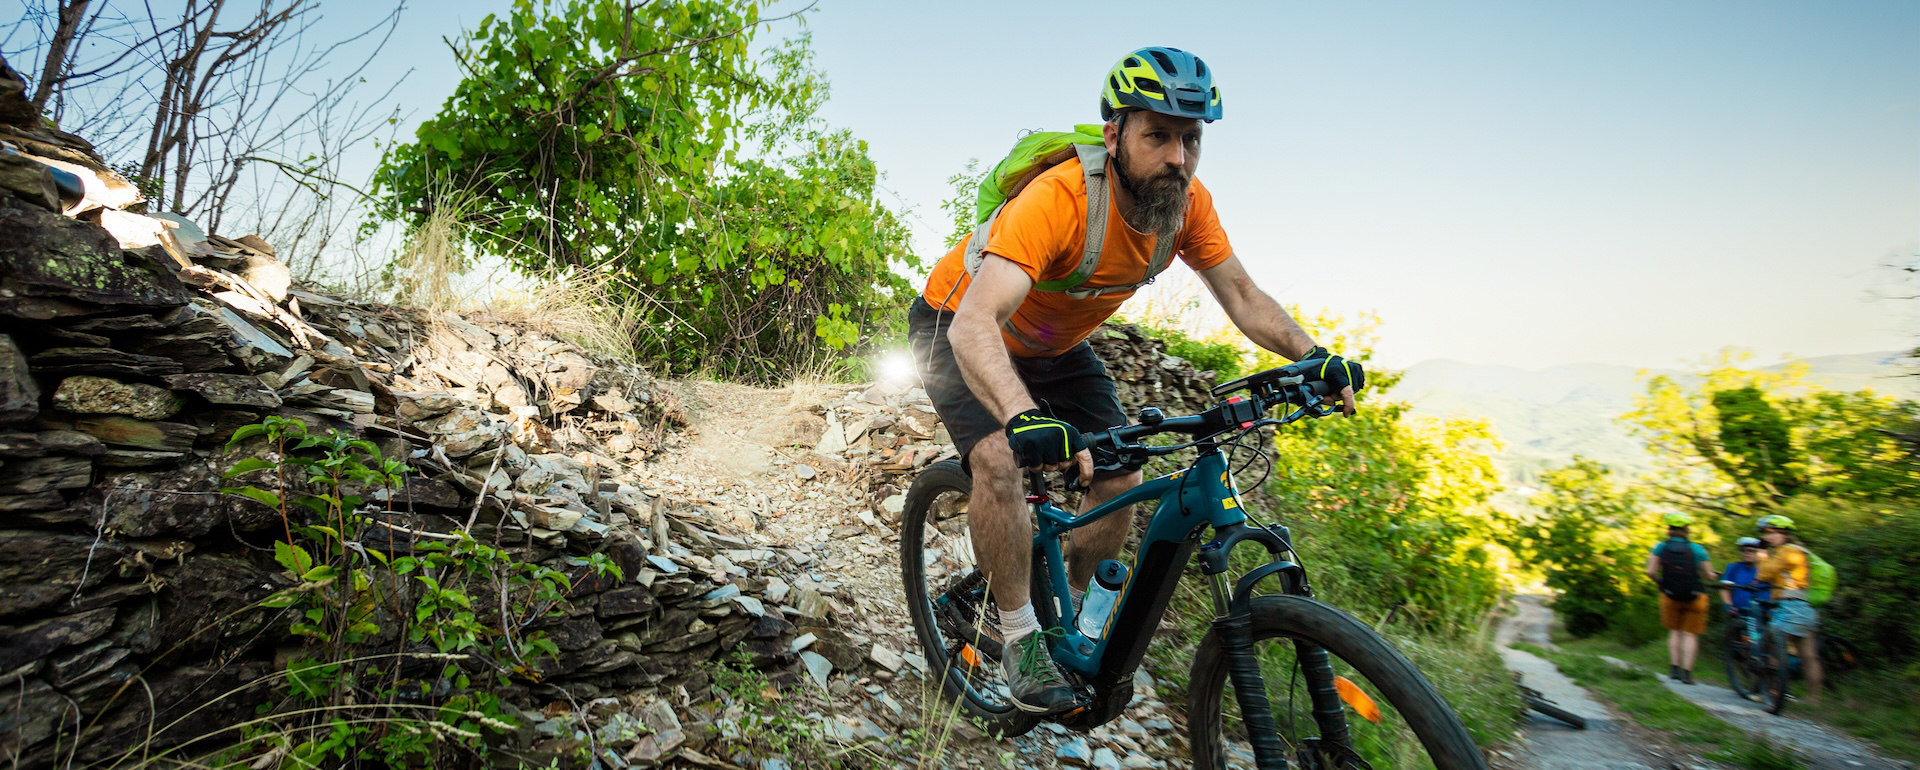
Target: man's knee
991, 463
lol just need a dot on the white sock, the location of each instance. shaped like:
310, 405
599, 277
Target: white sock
1015, 624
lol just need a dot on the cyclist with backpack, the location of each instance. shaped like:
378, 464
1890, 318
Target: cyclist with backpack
1682, 569
1000, 330
1790, 570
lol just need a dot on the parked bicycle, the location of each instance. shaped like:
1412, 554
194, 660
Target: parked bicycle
1761, 663
1279, 677
1539, 702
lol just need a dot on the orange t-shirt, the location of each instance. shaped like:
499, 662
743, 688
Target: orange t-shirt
1044, 231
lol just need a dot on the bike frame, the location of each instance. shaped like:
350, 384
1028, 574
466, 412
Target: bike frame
1190, 501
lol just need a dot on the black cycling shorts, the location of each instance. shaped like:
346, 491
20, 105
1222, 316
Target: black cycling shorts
1072, 387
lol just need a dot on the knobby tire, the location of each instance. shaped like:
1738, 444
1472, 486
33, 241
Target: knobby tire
1439, 730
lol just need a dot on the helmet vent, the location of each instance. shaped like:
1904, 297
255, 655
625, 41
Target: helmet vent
1199, 68
1166, 62
1134, 61
1113, 82
1191, 105
1148, 85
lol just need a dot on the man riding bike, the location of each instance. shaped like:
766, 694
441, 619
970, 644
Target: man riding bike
1007, 364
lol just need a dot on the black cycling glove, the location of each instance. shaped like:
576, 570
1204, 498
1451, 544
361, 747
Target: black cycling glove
1335, 370
1041, 440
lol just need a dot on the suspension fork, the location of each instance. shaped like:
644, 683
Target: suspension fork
1233, 625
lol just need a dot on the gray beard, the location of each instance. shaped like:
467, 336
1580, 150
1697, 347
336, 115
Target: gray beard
1159, 204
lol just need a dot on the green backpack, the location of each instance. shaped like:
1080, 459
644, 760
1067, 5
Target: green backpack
1034, 153
1821, 578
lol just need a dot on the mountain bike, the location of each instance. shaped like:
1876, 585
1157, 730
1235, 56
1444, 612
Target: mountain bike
1279, 677
1761, 662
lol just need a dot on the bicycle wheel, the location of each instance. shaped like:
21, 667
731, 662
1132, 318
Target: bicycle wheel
1838, 655
1743, 674
1415, 727
953, 615
1779, 672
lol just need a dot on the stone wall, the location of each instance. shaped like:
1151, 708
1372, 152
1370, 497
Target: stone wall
131, 348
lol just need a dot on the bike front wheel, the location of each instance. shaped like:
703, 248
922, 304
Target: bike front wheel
1390, 715
1779, 671
1743, 662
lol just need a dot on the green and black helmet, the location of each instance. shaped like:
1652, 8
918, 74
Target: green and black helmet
1165, 80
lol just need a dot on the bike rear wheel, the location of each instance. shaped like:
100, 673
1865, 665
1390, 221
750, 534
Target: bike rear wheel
953, 615
1416, 727
1779, 671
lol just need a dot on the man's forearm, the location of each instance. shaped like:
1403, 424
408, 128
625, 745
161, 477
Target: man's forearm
986, 367
1269, 325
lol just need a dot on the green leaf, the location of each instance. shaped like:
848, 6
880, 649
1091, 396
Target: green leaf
591, 133
293, 557
320, 574
248, 465
280, 599
256, 494
246, 432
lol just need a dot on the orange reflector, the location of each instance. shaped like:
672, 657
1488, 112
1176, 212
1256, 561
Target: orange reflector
1357, 699
967, 654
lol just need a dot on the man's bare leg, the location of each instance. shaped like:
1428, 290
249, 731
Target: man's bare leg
1102, 539
998, 523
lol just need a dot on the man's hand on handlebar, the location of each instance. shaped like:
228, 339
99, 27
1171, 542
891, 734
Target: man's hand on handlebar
1042, 442
1336, 370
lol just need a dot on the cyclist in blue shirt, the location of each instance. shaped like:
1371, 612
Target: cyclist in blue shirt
1742, 572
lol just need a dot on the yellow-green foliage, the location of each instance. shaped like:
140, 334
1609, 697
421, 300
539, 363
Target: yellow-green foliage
1591, 541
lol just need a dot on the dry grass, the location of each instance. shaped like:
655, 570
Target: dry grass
426, 269
592, 311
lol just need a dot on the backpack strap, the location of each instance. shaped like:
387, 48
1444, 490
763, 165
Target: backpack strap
1093, 167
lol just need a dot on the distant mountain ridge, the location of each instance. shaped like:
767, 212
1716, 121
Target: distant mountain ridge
1546, 416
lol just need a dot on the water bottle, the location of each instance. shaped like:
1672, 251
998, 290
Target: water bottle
1102, 593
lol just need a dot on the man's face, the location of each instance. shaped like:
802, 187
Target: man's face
1154, 157
1160, 148
1774, 537
1753, 553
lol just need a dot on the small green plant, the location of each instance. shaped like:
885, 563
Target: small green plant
403, 643
757, 722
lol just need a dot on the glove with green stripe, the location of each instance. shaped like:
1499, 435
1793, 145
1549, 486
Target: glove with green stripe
1334, 369
1039, 440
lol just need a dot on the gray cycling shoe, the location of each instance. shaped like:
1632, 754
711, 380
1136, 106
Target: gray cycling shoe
1033, 679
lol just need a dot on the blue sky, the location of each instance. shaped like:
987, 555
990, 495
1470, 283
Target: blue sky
1527, 183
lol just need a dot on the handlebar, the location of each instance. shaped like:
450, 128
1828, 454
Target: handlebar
1120, 448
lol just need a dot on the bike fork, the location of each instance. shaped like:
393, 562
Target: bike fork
1234, 625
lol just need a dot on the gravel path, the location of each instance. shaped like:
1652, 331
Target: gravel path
1823, 748
1546, 742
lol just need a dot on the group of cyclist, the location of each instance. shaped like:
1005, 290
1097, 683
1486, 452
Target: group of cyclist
1774, 562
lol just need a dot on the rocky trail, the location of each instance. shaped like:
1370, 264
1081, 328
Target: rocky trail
830, 486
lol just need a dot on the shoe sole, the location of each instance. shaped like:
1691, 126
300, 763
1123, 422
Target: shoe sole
1041, 710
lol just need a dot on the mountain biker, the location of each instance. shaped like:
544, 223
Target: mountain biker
1682, 569
1786, 570
1007, 364
1740, 573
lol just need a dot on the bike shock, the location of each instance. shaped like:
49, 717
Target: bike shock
1250, 689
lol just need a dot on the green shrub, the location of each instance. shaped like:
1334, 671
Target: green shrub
659, 148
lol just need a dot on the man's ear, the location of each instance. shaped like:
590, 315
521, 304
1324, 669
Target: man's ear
1111, 132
